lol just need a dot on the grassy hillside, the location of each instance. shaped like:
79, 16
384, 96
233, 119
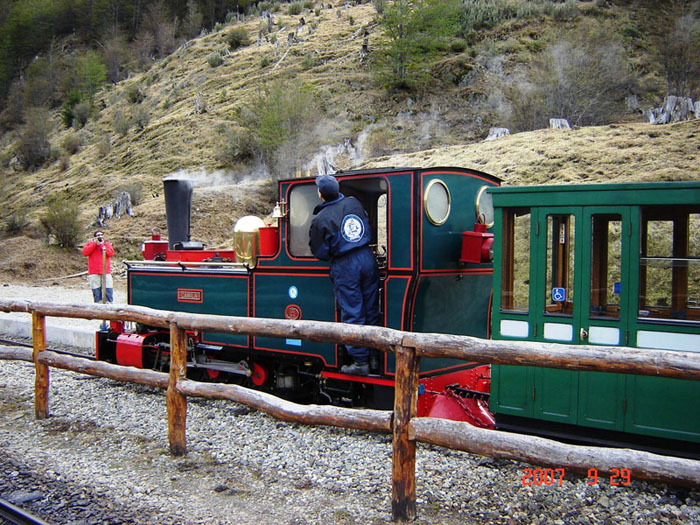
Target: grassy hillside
186, 108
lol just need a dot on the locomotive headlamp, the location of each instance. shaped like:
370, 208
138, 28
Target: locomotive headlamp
246, 239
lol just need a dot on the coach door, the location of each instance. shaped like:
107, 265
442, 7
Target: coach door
582, 254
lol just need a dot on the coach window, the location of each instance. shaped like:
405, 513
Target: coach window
559, 292
669, 272
606, 253
515, 277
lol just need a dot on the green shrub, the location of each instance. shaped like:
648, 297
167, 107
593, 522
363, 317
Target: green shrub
33, 146
122, 123
458, 45
104, 146
141, 118
237, 37
282, 121
73, 98
214, 59
72, 143
15, 224
264, 62
308, 61
295, 9
134, 94
81, 113
236, 146
60, 220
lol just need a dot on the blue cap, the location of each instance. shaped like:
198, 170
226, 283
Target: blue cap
328, 186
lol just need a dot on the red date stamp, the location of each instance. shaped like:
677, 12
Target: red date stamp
551, 476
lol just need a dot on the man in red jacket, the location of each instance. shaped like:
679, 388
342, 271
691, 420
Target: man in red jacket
99, 252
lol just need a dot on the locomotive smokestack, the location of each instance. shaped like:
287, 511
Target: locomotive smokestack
178, 202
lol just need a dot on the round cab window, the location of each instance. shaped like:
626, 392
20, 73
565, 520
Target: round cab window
437, 202
484, 206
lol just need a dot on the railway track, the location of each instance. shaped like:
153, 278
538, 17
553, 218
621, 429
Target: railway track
14, 342
17, 516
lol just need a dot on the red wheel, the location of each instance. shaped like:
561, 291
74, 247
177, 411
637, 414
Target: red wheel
260, 375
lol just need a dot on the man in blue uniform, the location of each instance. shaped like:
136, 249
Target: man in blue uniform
340, 233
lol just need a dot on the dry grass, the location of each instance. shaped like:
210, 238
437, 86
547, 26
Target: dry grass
616, 153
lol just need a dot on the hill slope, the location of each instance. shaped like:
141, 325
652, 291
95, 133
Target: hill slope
617, 153
189, 105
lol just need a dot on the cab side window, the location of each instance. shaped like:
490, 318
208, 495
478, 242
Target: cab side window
303, 198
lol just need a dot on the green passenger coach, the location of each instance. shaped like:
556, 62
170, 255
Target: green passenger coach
612, 264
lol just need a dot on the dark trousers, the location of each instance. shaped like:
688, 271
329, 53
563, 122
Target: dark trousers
355, 280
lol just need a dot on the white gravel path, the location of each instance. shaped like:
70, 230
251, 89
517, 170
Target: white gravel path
76, 294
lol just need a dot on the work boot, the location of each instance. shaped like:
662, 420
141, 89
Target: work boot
374, 364
355, 369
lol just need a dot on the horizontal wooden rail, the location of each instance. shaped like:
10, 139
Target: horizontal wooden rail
547, 452
641, 361
359, 419
102, 369
15, 353
666, 363
138, 314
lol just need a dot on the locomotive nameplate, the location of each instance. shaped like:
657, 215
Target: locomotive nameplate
188, 295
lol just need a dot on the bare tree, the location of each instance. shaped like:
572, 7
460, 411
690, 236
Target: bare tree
582, 76
680, 49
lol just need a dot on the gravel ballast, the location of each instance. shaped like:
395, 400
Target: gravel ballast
102, 457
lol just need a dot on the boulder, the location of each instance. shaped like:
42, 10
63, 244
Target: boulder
559, 123
495, 133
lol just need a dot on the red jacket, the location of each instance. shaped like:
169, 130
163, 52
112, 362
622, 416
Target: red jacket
93, 252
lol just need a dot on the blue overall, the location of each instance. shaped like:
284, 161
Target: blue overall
340, 233
355, 281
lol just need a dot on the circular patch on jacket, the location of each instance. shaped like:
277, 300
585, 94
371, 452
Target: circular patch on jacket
352, 228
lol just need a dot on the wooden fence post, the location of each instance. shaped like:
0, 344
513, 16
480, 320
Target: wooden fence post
403, 498
176, 402
41, 376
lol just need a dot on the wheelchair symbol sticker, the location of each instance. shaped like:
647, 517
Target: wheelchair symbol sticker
558, 295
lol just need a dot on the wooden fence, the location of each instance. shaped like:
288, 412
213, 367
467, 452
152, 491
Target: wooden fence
407, 429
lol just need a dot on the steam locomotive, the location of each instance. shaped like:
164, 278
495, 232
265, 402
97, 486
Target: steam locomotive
612, 264
435, 277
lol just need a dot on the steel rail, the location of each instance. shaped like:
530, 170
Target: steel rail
63, 352
18, 516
